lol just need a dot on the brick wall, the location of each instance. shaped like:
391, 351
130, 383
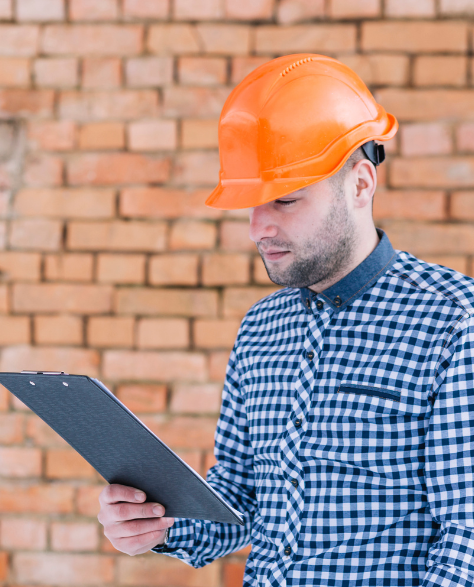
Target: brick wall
112, 266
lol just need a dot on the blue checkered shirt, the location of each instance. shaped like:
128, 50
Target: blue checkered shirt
346, 434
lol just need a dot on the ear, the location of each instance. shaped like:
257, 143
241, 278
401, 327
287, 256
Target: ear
363, 177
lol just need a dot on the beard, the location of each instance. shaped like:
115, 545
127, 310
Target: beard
323, 257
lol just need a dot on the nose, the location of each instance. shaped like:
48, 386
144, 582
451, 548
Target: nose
262, 223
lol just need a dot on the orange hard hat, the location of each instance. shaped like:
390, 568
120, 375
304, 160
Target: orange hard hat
292, 122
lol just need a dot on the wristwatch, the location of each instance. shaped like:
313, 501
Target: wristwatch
167, 535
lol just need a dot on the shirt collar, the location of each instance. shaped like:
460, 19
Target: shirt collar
355, 283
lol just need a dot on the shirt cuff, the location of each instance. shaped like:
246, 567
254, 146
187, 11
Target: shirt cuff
180, 538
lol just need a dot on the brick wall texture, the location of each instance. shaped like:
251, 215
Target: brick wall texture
111, 265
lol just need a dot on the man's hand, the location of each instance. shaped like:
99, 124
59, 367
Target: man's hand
131, 526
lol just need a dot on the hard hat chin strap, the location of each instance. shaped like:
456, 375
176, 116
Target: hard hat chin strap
374, 153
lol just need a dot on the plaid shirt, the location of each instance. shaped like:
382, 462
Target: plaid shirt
346, 434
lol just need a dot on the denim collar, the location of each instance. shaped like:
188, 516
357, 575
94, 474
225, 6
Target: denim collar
355, 283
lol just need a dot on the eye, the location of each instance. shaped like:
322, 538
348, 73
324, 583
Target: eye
285, 202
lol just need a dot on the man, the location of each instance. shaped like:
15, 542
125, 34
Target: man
346, 429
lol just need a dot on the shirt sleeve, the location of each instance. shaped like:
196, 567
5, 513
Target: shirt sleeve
199, 542
449, 465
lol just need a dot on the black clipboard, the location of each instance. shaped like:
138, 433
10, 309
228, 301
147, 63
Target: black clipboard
117, 444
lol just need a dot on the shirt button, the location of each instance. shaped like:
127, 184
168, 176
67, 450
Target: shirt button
337, 301
288, 551
310, 355
308, 302
319, 305
294, 482
298, 423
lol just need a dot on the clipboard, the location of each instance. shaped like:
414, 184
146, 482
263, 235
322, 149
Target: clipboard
117, 444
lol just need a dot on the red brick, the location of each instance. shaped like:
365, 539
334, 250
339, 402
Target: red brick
65, 463
260, 274
102, 135
52, 135
194, 102
183, 432
234, 236
192, 457
291, 11
110, 331
58, 73
174, 270
121, 269
101, 105
19, 40
197, 9
41, 434
3, 235
16, 266
215, 334
92, 39
410, 205
388, 70
202, 71
437, 172
347, 9
441, 70
434, 104
238, 300
58, 330
26, 102
192, 235
226, 39
456, 7
79, 536
217, 365
20, 462
134, 9
196, 168
154, 366
171, 39
69, 267
426, 139
11, 429
14, 330
43, 170
117, 236
165, 203
149, 71
4, 399
199, 134
163, 571
14, 72
242, 66
87, 500
66, 203
35, 233
6, 9
38, 498
152, 135
316, 38
40, 11
92, 10
66, 569
70, 360
167, 302
4, 202
143, 398
410, 9
103, 72
163, 333
249, 9
462, 205
423, 238
209, 461
465, 137
23, 534
117, 168
4, 565
87, 299
415, 36
196, 399
225, 269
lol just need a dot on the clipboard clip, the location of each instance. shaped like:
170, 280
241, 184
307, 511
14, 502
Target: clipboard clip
45, 372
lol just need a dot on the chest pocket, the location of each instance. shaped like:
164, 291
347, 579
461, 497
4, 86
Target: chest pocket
355, 388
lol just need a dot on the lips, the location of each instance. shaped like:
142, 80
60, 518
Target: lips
274, 255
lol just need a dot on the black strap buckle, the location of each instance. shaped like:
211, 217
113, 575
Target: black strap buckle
374, 153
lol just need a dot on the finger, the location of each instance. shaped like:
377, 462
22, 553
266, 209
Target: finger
137, 527
115, 493
141, 543
121, 512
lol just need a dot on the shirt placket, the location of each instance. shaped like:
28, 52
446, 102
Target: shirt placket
296, 428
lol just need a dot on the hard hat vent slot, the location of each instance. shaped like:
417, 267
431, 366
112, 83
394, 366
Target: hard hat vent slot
295, 64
